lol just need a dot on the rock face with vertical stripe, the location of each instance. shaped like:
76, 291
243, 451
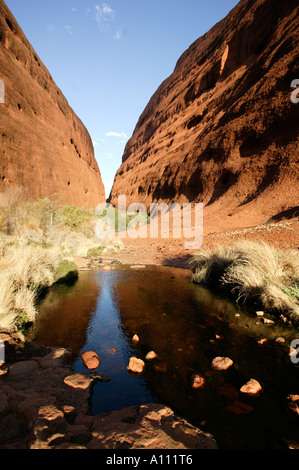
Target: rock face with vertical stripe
223, 129
44, 147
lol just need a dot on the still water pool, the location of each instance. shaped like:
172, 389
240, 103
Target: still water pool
187, 326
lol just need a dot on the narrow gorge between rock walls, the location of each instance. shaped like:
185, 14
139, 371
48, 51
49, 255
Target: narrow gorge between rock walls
187, 326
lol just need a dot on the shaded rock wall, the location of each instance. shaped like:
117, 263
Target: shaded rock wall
44, 147
222, 129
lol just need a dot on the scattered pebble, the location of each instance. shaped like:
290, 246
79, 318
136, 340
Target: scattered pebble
136, 365
135, 338
262, 341
280, 339
260, 313
267, 321
293, 397
221, 363
198, 381
90, 359
150, 355
252, 388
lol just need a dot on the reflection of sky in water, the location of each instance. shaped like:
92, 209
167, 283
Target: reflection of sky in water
103, 336
179, 321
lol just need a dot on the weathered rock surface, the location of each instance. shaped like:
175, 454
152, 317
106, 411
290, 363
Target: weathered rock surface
48, 408
149, 426
44, 147
222, 129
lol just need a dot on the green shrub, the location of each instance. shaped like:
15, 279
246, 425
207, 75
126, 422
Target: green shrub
65, 271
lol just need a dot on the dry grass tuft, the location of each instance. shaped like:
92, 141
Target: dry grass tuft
35, 240
24, 271
252, 272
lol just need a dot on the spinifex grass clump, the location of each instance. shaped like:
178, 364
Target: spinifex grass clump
24, 272
253, 272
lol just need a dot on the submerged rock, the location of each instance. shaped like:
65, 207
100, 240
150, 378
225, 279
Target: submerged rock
239, 407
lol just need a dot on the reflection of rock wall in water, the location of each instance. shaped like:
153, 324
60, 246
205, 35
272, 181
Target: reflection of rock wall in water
76, 305
44, 147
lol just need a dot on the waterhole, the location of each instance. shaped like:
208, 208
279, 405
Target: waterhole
187, 326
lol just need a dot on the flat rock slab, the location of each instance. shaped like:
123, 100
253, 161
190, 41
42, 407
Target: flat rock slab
81, 381
149, 426
23, 368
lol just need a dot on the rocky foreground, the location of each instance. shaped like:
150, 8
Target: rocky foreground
44, 405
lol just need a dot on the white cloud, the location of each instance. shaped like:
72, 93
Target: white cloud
116, 134
118, 35
104, 15
69, 29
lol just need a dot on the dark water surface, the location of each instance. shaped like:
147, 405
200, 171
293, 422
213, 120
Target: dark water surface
179, 321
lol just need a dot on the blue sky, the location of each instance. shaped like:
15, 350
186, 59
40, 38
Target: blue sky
108, 58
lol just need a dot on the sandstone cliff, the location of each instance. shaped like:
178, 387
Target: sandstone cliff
222, 129
44, 147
